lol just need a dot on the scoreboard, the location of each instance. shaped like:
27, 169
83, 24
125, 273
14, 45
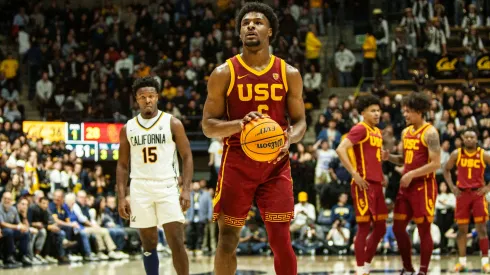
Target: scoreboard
90, 140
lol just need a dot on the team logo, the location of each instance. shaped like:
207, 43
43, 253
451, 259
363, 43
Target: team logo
362, 203
275, 76
133, 218
431, 203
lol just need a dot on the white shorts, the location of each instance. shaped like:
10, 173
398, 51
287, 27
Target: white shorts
154, 203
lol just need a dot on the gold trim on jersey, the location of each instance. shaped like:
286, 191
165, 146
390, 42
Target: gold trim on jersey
283, 74
149, 128
429, 202
362, 204
418, 130
217, 196
254, 71
232, 77
471, 154
459, 157
278, 217
422, 135
482, 159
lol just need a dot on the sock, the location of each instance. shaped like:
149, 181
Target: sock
150, 260
484, 247
360, 270
404, 245
360, 243
280, 243
367, 268
426, 246
484, 261
462, 260
378, 233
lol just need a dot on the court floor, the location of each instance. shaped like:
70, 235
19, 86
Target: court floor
307, 265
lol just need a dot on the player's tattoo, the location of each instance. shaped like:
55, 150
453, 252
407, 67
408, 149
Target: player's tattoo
433, 142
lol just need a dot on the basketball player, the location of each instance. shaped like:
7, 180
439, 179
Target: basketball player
150, 141
418, 188
242, 89
367, 177
470, 193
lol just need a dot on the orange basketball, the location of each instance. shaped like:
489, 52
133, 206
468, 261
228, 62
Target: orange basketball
262, 139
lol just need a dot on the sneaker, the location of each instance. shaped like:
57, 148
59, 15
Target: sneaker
113, 255
73, 258
41, 259
122, 255
36, 261
68, 244
167, 250
1, 264
198, 253
404, 272
63, 260
91, 258
102, 256
460, 268
485, 268
26, 261
10, 262
160, 247
51, 260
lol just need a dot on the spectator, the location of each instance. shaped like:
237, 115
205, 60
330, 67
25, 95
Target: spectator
445, 204
440, 12
436, 238
382, 35
312, 82
436, 45
11, 112
44, 92
344, 62
310, 240
369, 51
24, 41
133, 240
253, 239
316, 12
304, 213
423, 11
21, 19
9, 67
343, 211
215, 154
124, 66
338, 238
474, 48
389, 242
400, 50
199, 213
412, 30
324, 156
13, 230
472, 19
331, 134
10, 93
313, 47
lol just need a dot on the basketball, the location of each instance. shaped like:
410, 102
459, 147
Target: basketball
262, 139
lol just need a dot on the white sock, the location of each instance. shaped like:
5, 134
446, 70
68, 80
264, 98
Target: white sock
462, 260
360, 270
484, 261
367, 267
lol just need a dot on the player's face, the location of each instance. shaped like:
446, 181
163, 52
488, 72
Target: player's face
147, 98
372, 114
411, 116
470, 139
255, 29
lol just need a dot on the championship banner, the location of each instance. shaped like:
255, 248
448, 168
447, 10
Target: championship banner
52, 131
447, 66
483, 65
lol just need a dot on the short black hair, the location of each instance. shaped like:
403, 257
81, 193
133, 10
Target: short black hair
418, 102
471, 129
364, 102
261, 8
147, 81
43, 199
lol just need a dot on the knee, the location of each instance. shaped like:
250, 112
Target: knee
228, 240
399, 227
380, 228
149, 244
7, 232
42, 232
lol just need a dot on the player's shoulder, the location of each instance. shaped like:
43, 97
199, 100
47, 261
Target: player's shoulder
359, 127
290, 69
222, 70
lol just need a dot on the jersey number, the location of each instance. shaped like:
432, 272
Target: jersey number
149, 154
262, 107
409, 157
378, 154
469, 173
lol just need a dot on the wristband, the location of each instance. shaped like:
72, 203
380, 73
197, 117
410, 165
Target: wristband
18, 226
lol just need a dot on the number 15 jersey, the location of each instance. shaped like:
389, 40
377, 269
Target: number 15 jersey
251, 90
153, 151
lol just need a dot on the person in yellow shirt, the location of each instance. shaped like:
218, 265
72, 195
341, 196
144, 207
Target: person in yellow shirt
9, 67
169, 91
142, 70
369, 51
313, 47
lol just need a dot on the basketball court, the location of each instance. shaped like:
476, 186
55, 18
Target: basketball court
307, 265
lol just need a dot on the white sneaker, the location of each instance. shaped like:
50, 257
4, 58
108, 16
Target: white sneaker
41, 259
160, 247
167, 250
51, 260
36, 261
122, 255
102, 256
113, 255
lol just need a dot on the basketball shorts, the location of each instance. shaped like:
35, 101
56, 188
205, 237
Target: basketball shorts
154, 203
241, 180
417, 201
369, 204
470, 203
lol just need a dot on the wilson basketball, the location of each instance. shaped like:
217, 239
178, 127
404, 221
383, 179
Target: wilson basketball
262, 139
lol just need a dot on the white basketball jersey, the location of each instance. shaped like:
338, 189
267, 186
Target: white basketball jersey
153, 151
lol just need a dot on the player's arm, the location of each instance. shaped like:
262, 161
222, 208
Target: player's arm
434, 145
184, 148
122, 174
396, 159
342, 151
296, 105
213, 125
447, 172
485, 189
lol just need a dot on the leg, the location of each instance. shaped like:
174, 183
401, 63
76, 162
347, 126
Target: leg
379, 230
380, 214
106, 237
225, 262
174, 233
40, 240
8, 240
426, 245
483, 239
191, 236
360, 244
480, 216
200, 233
149, 240
280, 243
403, 214
212, 234
462, 218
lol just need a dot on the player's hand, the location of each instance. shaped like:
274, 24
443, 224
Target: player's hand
185, 200
363, 185
483, 191
249, 117
385, 155
456, 191
124, 209
406, 180
285, 148
384, 182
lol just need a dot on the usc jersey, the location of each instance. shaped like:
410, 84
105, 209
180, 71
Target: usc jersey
470, 169
415, 150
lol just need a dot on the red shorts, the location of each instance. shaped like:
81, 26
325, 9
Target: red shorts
470, 203
241, 180
417, 201
369, 204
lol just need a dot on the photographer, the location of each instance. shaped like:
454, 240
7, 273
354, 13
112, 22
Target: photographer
338, 238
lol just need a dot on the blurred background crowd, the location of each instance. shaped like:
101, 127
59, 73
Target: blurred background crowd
61, 61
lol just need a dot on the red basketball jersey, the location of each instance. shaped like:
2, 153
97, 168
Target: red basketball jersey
415, 150
367, 151
251, 90
470, 169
